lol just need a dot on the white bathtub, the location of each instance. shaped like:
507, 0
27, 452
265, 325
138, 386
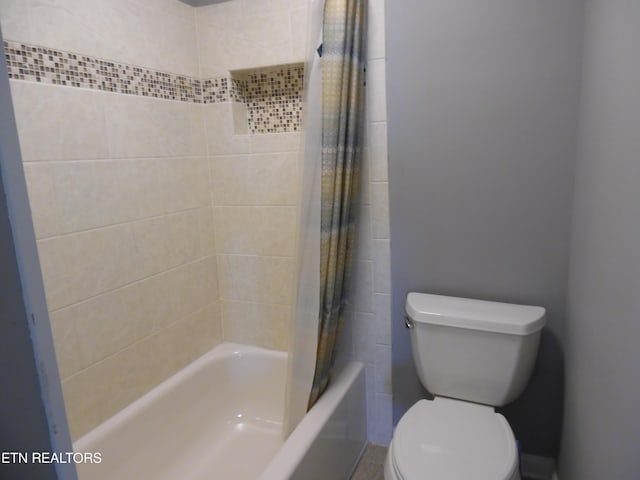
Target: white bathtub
221, 418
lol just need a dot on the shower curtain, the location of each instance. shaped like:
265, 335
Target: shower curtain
304, 328
343, 69
313, 334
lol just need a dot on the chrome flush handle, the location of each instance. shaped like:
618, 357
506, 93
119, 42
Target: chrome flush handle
408, 322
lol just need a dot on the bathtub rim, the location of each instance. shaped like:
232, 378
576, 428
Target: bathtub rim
299, 442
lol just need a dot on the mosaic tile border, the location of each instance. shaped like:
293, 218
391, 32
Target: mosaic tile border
57, 67
273, 95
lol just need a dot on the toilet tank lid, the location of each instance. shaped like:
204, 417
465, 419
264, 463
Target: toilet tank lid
481, 315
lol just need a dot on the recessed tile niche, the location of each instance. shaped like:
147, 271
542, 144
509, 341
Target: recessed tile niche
272, 99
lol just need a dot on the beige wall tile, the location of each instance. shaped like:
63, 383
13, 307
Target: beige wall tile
144, 303
88, 195
382, 267
14, 19
184, 237
151, 361
257, 179
93, 395
365, 185
75, 196
178, 52
196, 287
218, 14
78, 266
98, 392
382, 304
161, 300
141, 191
156, 302
219, 128
299, 40
262, 7
76, 26
278, 277
213, 312
383, 369
276, 142
42, 199
230, 180
184, 183
150, 248
212, 23
266, 40
376, 30
207, 235
257, 324
273, 178
68, 355
299, 3
249, 34
129, 31
377, 144
83, 393
197, 128
243, 42
256, 230
362, 286
240, 114
238, 277
103, 327
376, 86
362, 338
56, 123
175, 9
255, 195
191, 337
237, 230
255, 278
278, 229
380, 210
364, 248
214, 47
59, 268
149, 127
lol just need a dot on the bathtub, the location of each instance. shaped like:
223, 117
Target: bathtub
221, 417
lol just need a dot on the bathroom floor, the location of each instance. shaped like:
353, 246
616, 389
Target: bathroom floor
371, 465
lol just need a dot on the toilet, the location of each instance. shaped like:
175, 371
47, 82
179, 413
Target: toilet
472, 355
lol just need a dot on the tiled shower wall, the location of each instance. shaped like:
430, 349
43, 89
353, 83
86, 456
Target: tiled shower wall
123, 190
371, 306
119, 189
255, 176
182, 215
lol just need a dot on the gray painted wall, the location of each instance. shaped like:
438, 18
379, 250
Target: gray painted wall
23, 421
483, 108
601, 435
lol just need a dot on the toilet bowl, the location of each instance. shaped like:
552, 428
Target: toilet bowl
448, 439
472, 355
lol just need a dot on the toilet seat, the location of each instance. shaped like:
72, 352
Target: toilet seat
449, 439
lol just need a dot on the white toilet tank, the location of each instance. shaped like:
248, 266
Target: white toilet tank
473, 350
